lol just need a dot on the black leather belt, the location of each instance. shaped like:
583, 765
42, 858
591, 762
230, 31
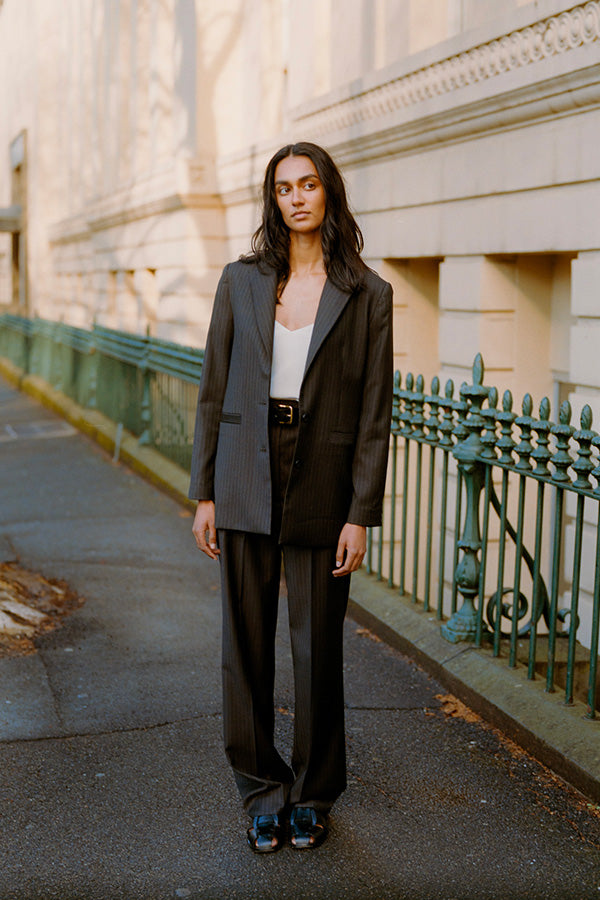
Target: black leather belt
283, 412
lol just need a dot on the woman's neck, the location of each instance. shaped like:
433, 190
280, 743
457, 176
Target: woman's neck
306, 254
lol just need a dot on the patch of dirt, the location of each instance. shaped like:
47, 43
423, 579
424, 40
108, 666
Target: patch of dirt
452, 708
30, 605
547, 788
366, 632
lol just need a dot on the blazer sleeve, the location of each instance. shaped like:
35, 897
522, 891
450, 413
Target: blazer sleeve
369, 465
213, 382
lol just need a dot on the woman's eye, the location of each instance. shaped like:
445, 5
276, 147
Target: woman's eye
283, 190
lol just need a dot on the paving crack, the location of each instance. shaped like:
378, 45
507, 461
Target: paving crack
74, 735
453, 656
55, 703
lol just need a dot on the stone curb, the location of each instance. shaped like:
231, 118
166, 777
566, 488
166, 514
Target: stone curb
559, 736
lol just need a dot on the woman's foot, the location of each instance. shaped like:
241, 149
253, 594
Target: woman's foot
308, 828
265, 834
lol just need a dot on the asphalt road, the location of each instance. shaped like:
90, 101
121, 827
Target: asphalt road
114, 782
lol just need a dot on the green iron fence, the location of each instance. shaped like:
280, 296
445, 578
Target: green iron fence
148, 385
493, 531
508, 519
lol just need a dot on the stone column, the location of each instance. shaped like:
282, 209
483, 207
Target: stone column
501, 308
584, 373
477, 314
416, 313
162, 82
585, 330
185, 126
141, 54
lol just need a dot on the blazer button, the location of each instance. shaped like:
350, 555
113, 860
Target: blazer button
297, 463
305, 417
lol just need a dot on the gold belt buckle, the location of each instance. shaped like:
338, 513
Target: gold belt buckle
284, 409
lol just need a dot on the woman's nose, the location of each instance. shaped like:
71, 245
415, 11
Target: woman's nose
296, 196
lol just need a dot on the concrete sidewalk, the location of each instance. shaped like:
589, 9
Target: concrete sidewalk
114, 779
561, 737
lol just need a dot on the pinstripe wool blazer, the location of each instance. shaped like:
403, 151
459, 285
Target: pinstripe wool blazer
345, 401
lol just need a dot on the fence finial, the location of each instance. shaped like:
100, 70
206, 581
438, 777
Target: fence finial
541, 428
583, 465
544, 409
564, 415
586, 418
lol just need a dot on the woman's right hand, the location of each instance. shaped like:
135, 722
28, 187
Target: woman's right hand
204, 530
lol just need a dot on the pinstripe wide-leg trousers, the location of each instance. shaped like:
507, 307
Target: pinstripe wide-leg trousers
250, 578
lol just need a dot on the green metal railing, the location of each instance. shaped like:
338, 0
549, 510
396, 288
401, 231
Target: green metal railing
480, 510
507, 520
148, 385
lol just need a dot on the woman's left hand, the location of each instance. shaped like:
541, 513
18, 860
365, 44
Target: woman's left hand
351, 549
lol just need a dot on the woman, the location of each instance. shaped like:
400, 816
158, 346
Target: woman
289, 461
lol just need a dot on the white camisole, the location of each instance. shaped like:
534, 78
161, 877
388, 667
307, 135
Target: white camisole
290, 349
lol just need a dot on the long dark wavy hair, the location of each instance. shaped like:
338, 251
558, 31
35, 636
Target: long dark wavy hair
341, 238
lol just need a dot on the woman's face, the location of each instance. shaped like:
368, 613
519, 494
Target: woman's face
300, 194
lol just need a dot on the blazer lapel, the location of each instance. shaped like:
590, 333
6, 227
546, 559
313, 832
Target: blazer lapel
333, 300
263, 286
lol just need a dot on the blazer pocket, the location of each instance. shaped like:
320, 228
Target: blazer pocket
342, 437
231, 418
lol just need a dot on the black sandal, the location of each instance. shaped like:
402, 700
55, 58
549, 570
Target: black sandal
308, 828
265, 834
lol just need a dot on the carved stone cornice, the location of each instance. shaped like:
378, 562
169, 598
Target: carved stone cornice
182, 186
557, 97
496, 84
98, 221
525, 47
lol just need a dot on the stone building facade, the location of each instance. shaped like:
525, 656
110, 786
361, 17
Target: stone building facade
134, 135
